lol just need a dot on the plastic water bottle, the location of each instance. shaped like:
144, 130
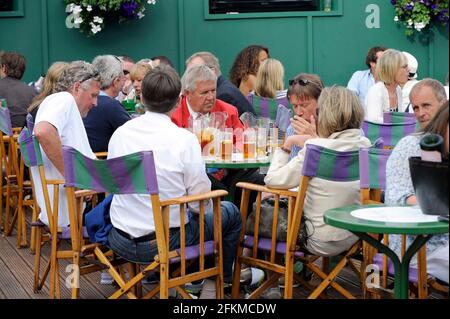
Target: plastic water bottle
431, 146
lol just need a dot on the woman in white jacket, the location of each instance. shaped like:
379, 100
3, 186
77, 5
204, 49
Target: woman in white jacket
340, 119
386, 95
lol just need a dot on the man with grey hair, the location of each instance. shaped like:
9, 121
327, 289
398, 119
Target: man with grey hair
58, 122
102, 121
199, 98
426, 98
226, 91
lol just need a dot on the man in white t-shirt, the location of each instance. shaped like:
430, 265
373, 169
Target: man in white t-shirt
59, 122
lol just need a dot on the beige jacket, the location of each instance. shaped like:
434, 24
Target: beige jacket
322, 194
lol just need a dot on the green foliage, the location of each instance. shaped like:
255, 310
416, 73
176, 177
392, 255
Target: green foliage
417, 15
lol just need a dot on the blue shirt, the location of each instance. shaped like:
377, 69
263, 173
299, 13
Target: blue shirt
295, 148
360, 83
103, 120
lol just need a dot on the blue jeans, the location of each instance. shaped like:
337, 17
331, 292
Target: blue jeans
144, 252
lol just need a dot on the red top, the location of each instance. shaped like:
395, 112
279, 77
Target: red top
181, 115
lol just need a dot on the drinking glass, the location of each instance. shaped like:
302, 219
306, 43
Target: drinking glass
262, 142
227, 144
208, 142
249, 144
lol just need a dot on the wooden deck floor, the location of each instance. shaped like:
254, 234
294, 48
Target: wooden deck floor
16, 277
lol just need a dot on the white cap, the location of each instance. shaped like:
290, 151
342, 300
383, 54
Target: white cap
413, 65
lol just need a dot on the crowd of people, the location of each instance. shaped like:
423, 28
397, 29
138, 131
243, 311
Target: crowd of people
79, 105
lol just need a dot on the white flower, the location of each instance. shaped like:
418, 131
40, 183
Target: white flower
89, 8
395, 18
77, 9
410, 22
151, 1
140, 14
95, 28
78, 20
419, 26
70, 7
98, 20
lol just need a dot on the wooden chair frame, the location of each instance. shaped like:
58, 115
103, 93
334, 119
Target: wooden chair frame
178, 278
274, 263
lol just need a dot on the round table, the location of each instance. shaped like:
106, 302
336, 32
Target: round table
342, 218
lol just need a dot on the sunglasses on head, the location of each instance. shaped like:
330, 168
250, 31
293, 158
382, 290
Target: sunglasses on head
90, 76
302, 82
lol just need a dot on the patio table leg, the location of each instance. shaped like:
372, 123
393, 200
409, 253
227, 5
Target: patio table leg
401, 268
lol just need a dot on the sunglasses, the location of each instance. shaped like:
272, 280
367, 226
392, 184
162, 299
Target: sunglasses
90, 76
126, 72
302, 82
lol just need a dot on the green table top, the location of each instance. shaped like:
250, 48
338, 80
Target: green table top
341, 218
237, 164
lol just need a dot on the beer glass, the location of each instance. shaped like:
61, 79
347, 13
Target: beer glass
227, 144
249, 144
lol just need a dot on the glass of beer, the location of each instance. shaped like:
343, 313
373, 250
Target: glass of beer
261, 142
249, 144
227, 144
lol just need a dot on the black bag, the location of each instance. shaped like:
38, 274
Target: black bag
266, 219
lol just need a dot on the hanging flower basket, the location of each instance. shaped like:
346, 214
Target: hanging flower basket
92, 16
417, 15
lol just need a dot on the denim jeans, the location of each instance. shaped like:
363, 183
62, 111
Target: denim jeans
144, 252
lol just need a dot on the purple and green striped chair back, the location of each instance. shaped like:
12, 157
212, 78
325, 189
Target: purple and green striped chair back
372, 168
267, 107
130, 174
391, 133
330, 164
400, 117
30, 149
5, 121
30, 122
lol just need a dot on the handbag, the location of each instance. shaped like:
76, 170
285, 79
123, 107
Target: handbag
266, 219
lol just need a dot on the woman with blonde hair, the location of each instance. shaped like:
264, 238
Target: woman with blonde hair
49, 86
386, 95
137, 74
270, 80
338, 128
